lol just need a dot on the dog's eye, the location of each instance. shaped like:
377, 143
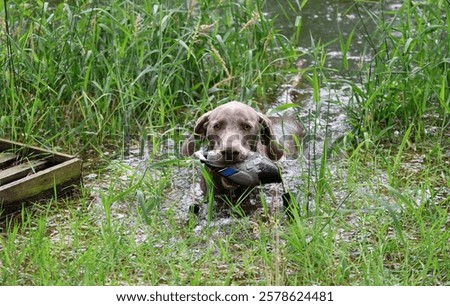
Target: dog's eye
246, 127
217, 126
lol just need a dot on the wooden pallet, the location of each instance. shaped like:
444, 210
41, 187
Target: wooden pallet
29, 173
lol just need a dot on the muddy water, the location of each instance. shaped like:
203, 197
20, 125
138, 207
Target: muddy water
324, 121
322, 21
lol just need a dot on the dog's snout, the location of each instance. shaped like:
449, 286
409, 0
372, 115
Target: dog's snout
231, 155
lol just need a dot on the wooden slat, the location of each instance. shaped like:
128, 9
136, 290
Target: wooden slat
49, 172
30, 151
22, 170
44, 180
6, 159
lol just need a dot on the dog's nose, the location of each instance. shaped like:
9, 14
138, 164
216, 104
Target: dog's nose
231, 155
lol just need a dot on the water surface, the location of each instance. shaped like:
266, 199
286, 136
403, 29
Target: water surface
325, 120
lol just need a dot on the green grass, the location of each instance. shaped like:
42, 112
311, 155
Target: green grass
368, 233
95, 79
407, 79
84, 74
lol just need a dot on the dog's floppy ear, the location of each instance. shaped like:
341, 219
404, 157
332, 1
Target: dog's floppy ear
274, 151
200, 125
188, 147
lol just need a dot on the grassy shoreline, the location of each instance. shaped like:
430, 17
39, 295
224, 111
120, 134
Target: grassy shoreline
88, 78
105, 73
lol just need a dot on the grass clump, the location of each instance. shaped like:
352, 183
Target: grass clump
101, 72
408, 76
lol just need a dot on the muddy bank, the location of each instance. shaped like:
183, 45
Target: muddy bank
172, 183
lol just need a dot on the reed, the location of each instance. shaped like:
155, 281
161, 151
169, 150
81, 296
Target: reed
84, 74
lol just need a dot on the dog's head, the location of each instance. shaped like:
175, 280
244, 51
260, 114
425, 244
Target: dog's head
232, 131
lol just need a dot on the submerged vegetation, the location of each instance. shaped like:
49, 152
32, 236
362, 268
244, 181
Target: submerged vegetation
95, 78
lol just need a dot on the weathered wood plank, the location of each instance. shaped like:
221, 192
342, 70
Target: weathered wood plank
58, 174
44, 180
6, 159
31, 151
22, 170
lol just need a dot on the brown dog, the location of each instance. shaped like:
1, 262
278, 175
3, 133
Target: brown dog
234, 130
